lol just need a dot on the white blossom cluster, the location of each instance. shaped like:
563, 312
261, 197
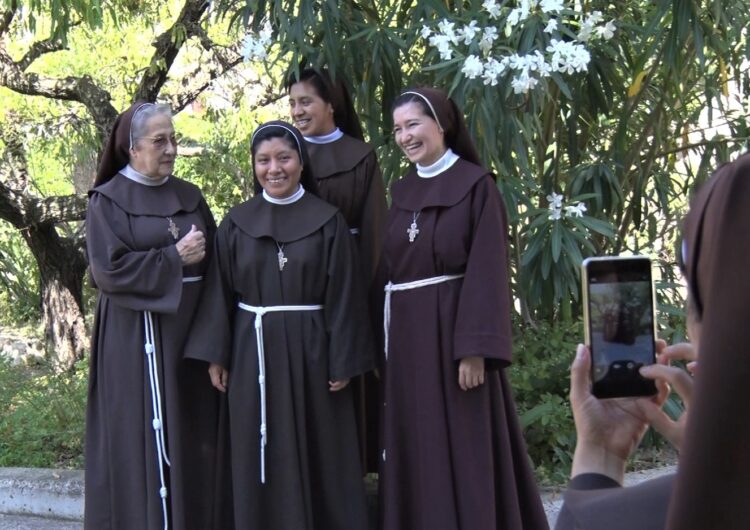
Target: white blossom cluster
255, 46
557, 211
528, 70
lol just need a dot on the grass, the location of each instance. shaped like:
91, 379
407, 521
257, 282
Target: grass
41, 416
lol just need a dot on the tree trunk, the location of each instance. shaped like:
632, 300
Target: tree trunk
62, 268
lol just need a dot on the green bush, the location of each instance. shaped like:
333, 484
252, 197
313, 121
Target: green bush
540, 376
42, 416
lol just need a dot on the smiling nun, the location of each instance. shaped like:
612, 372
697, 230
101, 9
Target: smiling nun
288, 330
453, 455
151, 416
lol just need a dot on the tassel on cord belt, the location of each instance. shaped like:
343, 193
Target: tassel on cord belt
259, 312
157, 422
391, 287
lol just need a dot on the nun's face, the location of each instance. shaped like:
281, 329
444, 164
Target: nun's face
417, 134
277, 167
310, 113
153, 153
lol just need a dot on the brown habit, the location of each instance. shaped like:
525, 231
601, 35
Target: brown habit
712, 485
349, 177
313, 474
452, 460
136, 267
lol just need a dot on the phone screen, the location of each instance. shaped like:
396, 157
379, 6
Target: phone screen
620, 322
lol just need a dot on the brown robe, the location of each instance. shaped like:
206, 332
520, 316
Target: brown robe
312, 463
453, 460
349, 177
136, 267
711, 488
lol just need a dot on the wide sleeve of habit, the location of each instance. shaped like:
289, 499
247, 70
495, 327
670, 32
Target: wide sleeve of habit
373, 216
141, 280
483, 317
350, 350
210, 338
595, 501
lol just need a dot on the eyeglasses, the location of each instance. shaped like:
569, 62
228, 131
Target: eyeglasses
160, 142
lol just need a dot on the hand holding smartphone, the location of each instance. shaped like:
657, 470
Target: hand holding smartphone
619, 323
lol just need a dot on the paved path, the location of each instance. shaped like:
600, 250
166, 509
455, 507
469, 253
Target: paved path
13, 522
552, 502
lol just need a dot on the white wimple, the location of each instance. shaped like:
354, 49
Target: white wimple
325, 138
442, 164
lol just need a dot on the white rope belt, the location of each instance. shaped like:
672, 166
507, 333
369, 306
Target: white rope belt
157, 422
391, 287
259, 312
354, 231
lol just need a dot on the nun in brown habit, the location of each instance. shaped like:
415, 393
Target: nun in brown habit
712, 485
348, 176
453, 456
288, 330
151, 416
345, 167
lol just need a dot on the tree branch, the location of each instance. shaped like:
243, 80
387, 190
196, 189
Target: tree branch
38, 49
79, 89
167, 46
7, 17
15, 173
60, 209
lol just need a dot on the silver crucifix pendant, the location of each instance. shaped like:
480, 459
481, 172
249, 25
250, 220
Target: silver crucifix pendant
413, 231
173, 229
282, 260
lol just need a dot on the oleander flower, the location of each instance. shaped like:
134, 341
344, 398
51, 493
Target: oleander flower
467, 33
489, 36
575, 210
473, 67
492, 7
606, 31
551, 6
555, 200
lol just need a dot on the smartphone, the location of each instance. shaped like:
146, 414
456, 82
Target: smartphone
619, 323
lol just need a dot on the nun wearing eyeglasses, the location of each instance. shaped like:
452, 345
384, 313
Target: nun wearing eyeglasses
453, 453
151, 418
288, 331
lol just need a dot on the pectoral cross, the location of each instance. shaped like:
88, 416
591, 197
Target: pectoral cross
173, 229
282, 259
413, 231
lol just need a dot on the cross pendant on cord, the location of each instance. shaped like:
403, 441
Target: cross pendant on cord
282, 260
413, 231
173, 229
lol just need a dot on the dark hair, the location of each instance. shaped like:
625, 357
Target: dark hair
336, 93
290, 134
411, 97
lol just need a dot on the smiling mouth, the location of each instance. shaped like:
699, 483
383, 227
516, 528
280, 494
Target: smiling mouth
411, 148
302, 122
276, 180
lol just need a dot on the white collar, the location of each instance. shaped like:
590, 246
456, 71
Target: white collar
294, 197
326, 138
140, 178
442, 164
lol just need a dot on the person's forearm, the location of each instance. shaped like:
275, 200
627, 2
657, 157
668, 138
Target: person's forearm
590, 458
